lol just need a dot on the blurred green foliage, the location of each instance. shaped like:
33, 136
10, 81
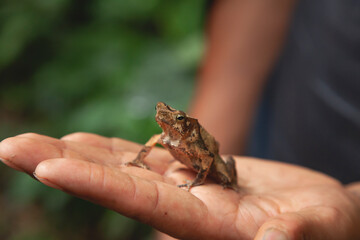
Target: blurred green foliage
87, 65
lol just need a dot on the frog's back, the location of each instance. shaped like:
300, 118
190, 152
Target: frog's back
211, 144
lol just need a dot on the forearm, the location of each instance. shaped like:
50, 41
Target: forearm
243, 42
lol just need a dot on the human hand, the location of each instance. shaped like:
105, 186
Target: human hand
276, 198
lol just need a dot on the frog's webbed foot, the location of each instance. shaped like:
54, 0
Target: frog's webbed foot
139, 160
232, 186
189, 184
137, 164
231, 169
199, 180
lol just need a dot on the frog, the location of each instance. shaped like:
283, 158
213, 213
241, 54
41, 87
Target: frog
188, 142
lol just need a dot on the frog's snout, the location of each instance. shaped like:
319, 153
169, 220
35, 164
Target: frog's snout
160, 105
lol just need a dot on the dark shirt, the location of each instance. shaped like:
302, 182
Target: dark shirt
312, 105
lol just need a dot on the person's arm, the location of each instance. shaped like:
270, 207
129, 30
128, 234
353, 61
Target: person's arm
244, 39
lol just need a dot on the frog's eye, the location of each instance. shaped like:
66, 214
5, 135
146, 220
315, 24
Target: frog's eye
180, 117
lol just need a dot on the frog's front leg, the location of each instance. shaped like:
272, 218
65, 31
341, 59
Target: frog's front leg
205, 165
139, 160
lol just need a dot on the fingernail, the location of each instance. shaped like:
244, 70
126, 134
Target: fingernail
46, 182
274, 234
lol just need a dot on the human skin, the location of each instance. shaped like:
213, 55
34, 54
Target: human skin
243, 41
275, 199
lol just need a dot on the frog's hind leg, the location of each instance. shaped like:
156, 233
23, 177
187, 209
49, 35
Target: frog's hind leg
202, 173
231, 169
139, 160
230, 166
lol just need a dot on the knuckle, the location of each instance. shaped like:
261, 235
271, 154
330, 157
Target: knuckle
75, 136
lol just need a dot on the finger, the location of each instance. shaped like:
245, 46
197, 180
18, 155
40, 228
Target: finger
113, 144
354, 188
313, 223
158, 158
25, 151
24, 154
54, 141
154, 202
95, 153
100, 153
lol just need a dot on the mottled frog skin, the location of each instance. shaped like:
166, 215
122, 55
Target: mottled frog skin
189, 143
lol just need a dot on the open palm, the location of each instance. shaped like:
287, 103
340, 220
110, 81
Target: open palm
274, 197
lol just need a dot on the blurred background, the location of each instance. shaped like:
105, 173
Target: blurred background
96, 66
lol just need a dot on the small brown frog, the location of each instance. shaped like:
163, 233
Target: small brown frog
189, 143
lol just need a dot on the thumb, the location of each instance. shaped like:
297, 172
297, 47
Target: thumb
311, 223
